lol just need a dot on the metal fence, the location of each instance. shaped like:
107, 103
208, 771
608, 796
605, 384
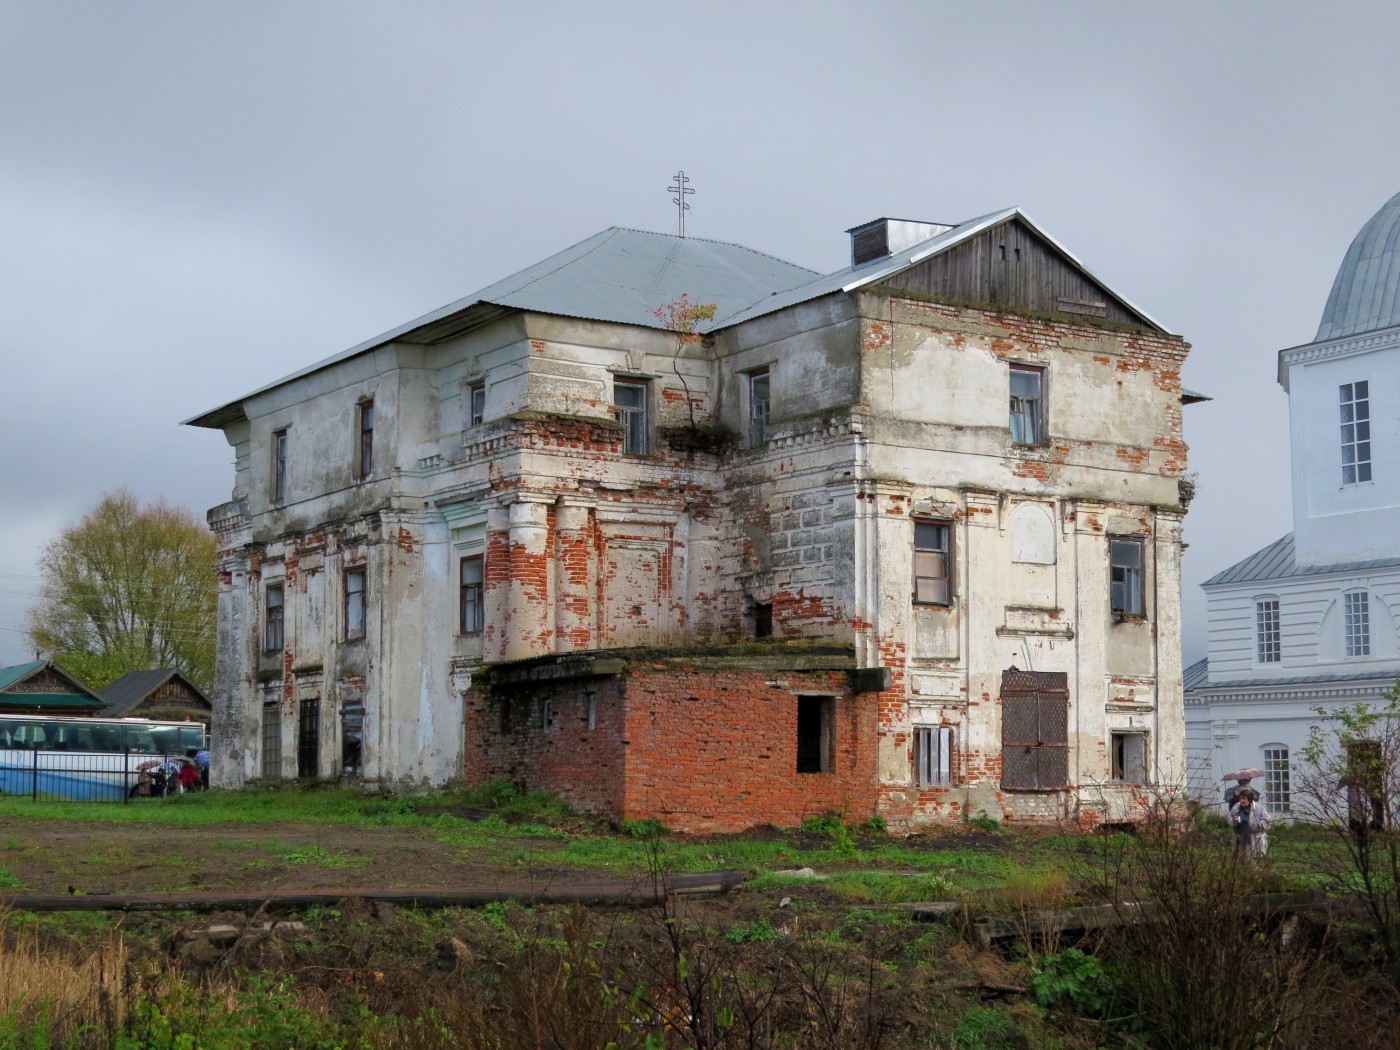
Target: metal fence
56, 776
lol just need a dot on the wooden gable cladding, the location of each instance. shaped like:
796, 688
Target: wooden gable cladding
1012, 266
49, 681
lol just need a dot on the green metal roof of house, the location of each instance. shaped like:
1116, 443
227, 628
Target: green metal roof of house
11, 676
18, 673
8, 700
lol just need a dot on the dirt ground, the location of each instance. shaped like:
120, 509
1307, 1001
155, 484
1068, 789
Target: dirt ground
47, 856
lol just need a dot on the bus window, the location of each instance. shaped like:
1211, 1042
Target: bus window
138, 738
54, 737
191, 738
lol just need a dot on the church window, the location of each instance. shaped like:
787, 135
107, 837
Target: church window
1357, 606
1356, 432
1266, 627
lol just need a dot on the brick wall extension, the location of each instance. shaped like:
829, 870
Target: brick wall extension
699, 750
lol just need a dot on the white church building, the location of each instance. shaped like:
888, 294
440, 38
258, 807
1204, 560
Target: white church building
1310, 620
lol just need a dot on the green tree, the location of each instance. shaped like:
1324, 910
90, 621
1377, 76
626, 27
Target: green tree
129, 588
1351, 785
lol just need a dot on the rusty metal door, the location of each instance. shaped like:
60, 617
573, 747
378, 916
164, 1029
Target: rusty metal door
1034, 730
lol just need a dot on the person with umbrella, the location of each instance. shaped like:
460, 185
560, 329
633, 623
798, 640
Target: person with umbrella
1243, 777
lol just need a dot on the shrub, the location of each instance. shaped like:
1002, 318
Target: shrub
1076, 978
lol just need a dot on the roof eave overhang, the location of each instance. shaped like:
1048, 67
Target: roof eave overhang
469, 315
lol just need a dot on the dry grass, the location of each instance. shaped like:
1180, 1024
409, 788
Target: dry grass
59, 990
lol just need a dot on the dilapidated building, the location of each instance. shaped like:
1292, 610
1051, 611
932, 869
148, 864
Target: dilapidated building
900, 540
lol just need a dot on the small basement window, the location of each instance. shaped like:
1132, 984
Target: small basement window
816, 717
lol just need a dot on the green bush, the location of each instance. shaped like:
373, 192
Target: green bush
1075, 978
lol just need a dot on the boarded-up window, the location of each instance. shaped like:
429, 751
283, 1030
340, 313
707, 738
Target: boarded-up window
272, 741
1034, 730
933, 756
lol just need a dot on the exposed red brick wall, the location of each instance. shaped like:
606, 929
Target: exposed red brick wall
582, 766
717, 751
699, 750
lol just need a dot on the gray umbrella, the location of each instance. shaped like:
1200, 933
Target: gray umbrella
1247, 773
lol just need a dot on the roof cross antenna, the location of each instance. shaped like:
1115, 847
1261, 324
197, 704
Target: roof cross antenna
679, 200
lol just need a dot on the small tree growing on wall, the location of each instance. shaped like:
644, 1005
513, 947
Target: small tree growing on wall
1351, 783
681, 316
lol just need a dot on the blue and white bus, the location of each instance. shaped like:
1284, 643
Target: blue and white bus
89, 759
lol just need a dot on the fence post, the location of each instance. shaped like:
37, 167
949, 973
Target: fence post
34, 783
126, 776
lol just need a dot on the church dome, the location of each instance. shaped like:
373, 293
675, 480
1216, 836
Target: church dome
1366, 294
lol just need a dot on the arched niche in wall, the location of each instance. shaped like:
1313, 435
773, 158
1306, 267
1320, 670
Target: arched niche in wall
1032, 534
1379, 631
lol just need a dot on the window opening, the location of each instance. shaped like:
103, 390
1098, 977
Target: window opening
933, 756
931, 562
1125, 588
472, 614
1278, 787
630, 409
590, 709
1358, 623
1027, 405
815, 715
1356, 432
272, 741
763, 620
309, 739
1129, 758
758, 407
273, 597
352, 723
279, 465
366, 458
476, 411
1268, 645
354, 603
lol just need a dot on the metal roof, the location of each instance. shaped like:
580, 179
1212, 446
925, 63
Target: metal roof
624, 275
1276, 562
1195, 676
1366, 294
13, 675
23, 700
618, 275
1299, 679
18, 672
127, 692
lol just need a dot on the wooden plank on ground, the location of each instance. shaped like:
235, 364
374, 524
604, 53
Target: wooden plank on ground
597, 892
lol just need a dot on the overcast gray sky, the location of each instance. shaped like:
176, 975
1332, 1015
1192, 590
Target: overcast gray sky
197, 198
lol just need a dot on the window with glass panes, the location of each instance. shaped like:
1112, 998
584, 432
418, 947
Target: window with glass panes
630, 409
1356, 432
932, 566
472, 612
1266, 631
1278, 787
1357, 607
1125, 584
